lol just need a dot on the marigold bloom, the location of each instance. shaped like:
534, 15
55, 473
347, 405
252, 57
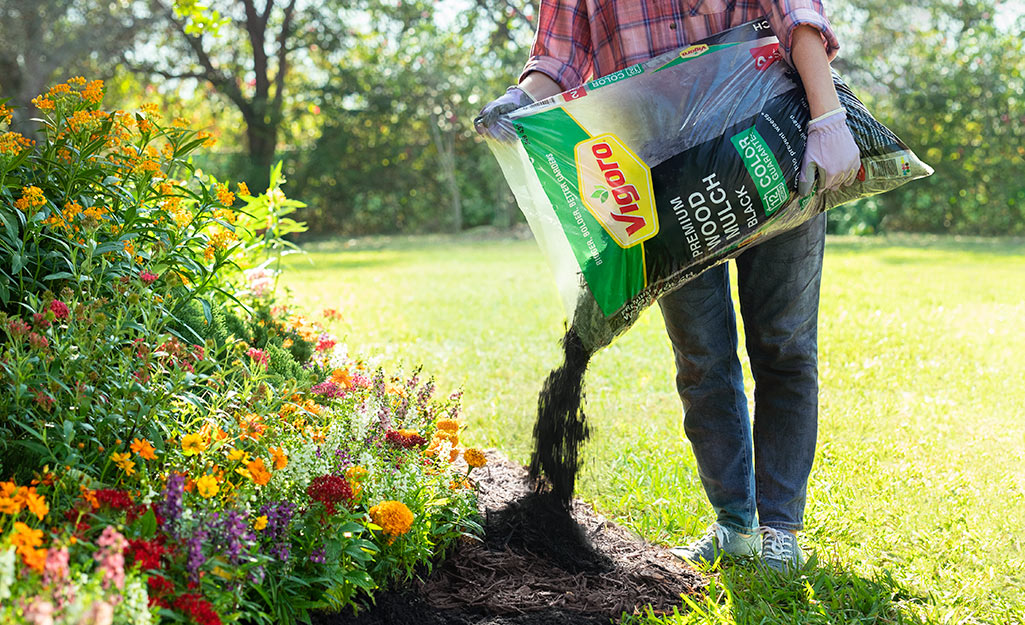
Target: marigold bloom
207, 486
193, 444
260, 523
237, 454
474, 458
144, 448
447, 425
393, 517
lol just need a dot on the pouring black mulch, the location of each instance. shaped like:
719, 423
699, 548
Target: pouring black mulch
540, 563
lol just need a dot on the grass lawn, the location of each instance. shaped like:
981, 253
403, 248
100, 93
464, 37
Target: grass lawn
916, 504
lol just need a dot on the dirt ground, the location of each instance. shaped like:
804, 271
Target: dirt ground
537, 565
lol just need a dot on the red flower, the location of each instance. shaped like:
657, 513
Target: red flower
405, 438
17, 328
329, 490
198, 608
40, 320
146, 553
259, 356
117, 499
38, 341
148, 277
59, 309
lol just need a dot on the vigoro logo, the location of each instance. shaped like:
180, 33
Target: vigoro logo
615, 186
693, 51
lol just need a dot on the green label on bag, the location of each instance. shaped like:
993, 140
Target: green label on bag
614, 274
763, 169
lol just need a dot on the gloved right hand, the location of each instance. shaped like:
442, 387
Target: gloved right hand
831, 154
492, 121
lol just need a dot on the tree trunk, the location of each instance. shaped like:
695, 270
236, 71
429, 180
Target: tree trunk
262, 139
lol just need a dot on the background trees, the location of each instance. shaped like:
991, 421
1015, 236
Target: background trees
369, 103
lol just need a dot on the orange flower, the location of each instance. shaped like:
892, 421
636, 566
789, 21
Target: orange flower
25, 536
448, 425
37, 505
474, 458
258, 472
393, 517
342, 378
35, 559
243, 189
280, 458
144, 448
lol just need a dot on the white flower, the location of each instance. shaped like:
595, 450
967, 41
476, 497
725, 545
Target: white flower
6, 573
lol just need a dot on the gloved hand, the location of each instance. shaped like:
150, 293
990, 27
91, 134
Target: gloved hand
830, 152
492, 120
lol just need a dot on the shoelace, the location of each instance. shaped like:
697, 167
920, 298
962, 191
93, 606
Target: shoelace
716, 533
774, 543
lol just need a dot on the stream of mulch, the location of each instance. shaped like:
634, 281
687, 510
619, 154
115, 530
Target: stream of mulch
536, 565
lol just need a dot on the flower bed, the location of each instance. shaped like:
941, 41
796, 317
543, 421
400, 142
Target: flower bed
178, 443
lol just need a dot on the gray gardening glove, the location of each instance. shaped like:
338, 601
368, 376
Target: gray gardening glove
830, 153
492, 121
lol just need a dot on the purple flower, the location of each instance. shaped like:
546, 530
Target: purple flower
318, 555
232, 533
171, 507
196, 557
275, 535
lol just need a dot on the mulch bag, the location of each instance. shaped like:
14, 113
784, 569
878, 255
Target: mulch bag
636, 182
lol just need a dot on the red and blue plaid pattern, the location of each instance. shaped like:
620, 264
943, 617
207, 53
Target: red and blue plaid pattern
581, 39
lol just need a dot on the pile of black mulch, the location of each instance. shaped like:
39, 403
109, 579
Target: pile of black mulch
538, 564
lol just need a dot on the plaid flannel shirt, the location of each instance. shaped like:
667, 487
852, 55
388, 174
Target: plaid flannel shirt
581, 39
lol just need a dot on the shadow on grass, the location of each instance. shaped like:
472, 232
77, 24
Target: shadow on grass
745, 594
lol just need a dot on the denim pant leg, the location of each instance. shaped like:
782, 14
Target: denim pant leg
778, 283
702, 327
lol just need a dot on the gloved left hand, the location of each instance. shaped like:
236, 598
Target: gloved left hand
492, 122
830, 152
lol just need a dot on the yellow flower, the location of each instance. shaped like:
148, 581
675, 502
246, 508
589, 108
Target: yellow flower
280, 458
193, 444
123, 460
243, 189
207, 486
31, 198
475, 458
144, 448
260, 523
224, 196
393, 517
236, 455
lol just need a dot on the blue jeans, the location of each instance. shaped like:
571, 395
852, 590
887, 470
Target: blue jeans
764, 483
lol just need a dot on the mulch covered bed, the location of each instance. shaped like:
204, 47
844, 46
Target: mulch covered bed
536, 566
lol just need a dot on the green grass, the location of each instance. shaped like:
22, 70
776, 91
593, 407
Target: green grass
916, 504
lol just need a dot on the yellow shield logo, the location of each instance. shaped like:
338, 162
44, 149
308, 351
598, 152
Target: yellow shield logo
615, 186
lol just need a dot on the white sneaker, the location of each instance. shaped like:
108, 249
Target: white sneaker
780, 550
716, 541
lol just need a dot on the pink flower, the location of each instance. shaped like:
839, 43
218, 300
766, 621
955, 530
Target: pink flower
18, 328
111, 557
56, 567
38, 341
325, 343
259, 356
59, 309
261, 282
148, 277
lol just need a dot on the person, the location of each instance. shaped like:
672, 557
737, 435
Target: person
755, 476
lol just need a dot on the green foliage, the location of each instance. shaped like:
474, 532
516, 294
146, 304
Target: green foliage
952, 86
